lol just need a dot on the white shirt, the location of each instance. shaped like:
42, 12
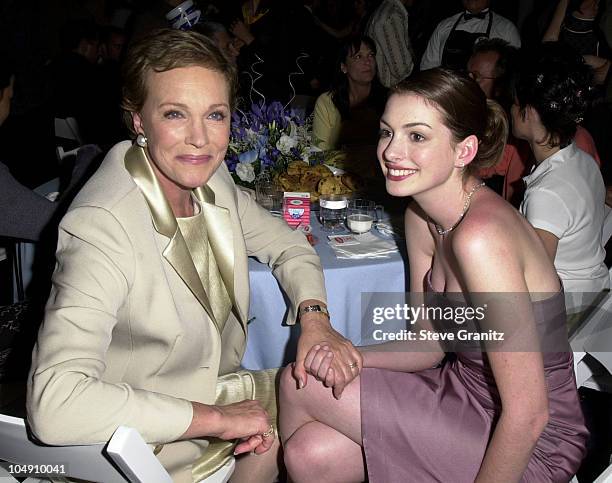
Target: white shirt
388, 27
501, 28
565, 196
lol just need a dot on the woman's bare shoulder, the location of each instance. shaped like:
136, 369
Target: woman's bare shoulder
491, 227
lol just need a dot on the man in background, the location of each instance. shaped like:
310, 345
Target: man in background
451, 43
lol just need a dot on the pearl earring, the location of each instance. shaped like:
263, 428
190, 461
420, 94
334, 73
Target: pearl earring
141, 140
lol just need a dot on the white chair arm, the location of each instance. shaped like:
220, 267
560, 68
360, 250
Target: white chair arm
135, 458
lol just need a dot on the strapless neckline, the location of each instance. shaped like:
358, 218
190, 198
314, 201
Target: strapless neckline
548, 300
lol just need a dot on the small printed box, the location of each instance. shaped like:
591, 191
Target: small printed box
296, 208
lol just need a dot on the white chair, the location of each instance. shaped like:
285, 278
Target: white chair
126, 457
592, 341
67, 128
592, 347
605, 477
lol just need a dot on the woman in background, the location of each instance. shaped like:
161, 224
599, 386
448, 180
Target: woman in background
565, 193
348, 113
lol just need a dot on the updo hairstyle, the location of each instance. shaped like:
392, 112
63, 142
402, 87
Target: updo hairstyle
464, 109
555, 81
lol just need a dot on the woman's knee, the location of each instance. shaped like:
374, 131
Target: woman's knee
305, 454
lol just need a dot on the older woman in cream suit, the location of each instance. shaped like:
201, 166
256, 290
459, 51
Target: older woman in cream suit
147, 320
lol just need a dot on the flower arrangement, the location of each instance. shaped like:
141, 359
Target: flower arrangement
265, 139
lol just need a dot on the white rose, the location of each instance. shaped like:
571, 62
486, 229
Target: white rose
245, 172
285, 143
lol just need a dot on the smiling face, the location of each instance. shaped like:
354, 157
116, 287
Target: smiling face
360, 66
416, 150
186, 119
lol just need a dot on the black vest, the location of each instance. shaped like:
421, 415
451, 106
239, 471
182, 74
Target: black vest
459, 45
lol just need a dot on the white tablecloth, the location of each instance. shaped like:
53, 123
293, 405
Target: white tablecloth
271, 343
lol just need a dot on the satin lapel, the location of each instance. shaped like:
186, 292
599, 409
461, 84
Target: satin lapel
220, 237
176, 252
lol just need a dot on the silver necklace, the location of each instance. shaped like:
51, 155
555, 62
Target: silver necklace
466, 206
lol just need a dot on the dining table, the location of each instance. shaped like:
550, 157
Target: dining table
351, 285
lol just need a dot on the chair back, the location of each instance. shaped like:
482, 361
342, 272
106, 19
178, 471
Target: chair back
92, 462
68, 128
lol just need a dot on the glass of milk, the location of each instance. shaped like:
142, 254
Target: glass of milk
362, 214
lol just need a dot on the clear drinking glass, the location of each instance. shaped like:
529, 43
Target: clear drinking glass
269, 194
332, 212
362, 214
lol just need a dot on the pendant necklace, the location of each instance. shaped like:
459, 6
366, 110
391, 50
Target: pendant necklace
466, 206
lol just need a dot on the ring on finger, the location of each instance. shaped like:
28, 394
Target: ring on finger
353, 365
269, 432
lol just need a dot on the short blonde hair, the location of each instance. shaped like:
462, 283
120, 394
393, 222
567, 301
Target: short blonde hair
163, 50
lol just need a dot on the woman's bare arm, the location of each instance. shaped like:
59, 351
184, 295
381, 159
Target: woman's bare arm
554, 28
410, 356
489, 263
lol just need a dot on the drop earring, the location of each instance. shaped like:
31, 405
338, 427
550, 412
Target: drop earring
141, 140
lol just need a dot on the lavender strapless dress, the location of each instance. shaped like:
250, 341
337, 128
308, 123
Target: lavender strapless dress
434, 425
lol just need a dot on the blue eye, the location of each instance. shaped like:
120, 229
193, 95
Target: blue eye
173, 115
217, 116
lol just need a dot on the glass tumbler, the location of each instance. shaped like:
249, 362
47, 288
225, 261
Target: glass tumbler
332, 212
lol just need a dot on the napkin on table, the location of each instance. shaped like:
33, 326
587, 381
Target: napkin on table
366, 245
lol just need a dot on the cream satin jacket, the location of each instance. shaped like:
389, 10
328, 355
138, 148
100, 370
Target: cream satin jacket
129, 336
